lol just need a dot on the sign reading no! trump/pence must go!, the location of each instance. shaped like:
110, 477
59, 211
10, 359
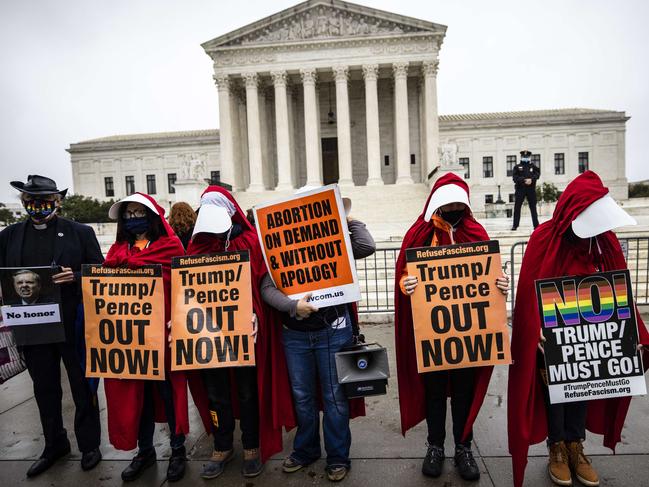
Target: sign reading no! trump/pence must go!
307, 248
591, 337
211, 311
125, 329
458, 313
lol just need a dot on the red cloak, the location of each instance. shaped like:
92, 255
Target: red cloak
274, 392
548, 254
412, 397
124, 397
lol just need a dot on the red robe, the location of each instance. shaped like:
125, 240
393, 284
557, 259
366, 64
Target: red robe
274, 392
547, 255
124, 397
412, 396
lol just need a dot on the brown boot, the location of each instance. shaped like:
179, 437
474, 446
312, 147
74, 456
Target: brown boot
558, 464
580, 464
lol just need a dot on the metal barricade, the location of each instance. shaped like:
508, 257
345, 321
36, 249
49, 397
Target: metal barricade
376, 273
636, 253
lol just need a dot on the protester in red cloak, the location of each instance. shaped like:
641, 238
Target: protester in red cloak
446, 220
554, 251
262, 436
144, 237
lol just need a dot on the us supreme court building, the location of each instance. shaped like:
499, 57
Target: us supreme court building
331, 91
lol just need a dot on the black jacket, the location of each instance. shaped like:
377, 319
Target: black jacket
525, 171
74, 244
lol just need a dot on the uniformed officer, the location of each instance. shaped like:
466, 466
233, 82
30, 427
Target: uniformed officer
525, 175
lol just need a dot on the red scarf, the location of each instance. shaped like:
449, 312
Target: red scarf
412, 397
124, 397
274, 392
548, 254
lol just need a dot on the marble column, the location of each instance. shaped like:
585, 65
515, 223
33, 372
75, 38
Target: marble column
402, 131
370, 75
311, 128
429, 73
254, 133
345, 175
284, 173
228, 166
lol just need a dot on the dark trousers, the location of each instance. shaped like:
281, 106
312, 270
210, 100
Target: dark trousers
566, 421
147, 419
528, 192
461, 383
217, 383
44, 365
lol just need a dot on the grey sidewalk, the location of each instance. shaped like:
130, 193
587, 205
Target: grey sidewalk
380, 455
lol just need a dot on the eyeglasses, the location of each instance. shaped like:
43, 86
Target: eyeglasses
128, 214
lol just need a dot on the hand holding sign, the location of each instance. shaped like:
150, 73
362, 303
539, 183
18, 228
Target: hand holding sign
410, 283
502, 283
66, 275
304, 308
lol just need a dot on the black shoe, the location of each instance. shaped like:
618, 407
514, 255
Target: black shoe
90, 459
176, 468
432, 466
465, 463
514, 229
142, 461
48, 459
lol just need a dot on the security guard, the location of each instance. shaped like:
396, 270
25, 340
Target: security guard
525, 175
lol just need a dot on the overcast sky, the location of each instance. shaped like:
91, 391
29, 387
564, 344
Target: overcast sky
78, 69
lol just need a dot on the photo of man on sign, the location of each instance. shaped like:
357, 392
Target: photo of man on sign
306, 246
31, 304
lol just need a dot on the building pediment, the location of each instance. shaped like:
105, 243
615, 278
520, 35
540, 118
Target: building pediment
322, 20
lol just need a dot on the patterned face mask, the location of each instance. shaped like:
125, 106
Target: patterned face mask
39, 209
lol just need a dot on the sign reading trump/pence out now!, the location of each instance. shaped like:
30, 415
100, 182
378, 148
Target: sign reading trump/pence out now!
211, 308
306, 247
458, 313
591, 337
125, 327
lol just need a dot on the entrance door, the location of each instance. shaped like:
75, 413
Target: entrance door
330, 160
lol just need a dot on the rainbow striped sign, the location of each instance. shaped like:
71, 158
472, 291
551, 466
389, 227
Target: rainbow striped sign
594, 299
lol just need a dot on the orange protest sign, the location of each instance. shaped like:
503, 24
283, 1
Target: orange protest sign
306, 246
458, 313
211, 311
125, 329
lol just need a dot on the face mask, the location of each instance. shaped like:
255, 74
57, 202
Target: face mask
452, 217
525, 160
39, 209
136, 226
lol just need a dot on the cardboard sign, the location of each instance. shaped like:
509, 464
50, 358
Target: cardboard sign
31, 304
458, 313
211, 311
306, 247
125, 326
591, 334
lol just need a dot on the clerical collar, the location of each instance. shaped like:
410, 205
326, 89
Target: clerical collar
42, 226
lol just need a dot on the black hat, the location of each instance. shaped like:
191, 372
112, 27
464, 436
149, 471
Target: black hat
526, 153
39, 185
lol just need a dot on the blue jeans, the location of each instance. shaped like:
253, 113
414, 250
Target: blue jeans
310, 357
